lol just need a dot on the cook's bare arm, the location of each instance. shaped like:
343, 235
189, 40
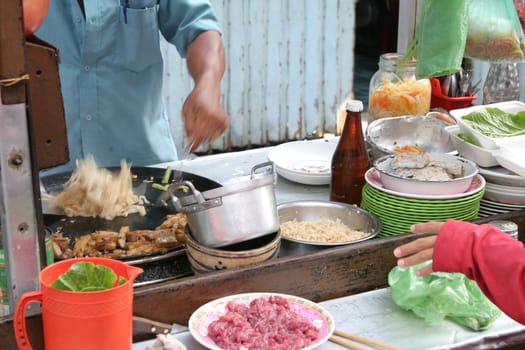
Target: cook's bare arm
419, 250
204, 115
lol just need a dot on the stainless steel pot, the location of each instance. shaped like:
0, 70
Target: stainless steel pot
240, 210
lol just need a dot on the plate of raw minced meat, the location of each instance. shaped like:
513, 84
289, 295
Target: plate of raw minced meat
261, 321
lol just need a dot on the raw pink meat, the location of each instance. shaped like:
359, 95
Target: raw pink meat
266, 323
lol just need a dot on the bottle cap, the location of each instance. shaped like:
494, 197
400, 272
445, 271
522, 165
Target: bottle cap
354, 106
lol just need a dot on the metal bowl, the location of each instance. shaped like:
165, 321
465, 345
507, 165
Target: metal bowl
426, 132
401, 184
314, 210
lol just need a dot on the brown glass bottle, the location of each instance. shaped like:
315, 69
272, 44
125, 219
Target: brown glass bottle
350, 160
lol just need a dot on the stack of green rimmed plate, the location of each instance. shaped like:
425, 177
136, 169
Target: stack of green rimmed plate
398, 211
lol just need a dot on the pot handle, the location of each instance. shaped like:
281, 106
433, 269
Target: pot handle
201, 204
22, 340
263, 165
185, 186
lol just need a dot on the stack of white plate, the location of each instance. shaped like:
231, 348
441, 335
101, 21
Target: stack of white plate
504, 191
488, 208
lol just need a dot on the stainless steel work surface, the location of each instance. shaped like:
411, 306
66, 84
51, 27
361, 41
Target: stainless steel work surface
226, 166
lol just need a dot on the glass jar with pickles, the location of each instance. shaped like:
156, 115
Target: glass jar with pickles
395, 91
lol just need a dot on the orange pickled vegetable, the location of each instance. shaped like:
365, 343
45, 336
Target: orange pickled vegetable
407, 97
409, 149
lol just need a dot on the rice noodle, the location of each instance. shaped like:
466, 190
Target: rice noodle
92, 191
330, 231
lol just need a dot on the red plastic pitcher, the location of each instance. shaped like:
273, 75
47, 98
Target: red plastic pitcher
81, 320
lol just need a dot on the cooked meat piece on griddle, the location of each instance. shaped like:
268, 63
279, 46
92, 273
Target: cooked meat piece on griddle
60, 240
81, 244
166, 239
125, 242
121, 240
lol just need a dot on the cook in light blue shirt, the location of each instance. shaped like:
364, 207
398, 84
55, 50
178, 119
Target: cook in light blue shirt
111, 73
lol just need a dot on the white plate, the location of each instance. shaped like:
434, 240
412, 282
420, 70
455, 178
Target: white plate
482, 213
206, 314
505, 194
502, 176
372, 177
306, 162
486, 203
511, 156
488, 142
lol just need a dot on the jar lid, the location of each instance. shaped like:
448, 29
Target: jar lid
505, 225
354, 106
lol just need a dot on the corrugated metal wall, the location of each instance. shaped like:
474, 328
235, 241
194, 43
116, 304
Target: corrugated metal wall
289, 67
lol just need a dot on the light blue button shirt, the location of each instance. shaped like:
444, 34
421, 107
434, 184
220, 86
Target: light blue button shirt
111, 74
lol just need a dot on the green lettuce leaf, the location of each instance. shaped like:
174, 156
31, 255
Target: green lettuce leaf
85, 276
519, 119
495, 123
469, 139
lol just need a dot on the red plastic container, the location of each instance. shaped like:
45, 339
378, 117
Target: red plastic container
439, 100
100, 320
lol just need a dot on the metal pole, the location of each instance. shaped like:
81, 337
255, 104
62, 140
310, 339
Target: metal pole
19, 238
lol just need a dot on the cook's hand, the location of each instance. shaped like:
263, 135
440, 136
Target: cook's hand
204, 116
419, 250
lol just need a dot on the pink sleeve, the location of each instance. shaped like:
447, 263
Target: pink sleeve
490, 257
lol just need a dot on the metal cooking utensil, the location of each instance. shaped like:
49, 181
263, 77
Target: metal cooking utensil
447, 83
453, 88
474, 88
464, 82
164, 198
186, 151
144, 327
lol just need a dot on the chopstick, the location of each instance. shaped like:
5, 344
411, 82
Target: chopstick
359, 339
346, 343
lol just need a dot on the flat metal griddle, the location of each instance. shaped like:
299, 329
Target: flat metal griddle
157, 267
143, 178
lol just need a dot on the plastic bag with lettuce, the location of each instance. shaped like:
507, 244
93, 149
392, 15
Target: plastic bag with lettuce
442, 295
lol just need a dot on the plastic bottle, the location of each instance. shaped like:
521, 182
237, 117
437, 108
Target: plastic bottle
350, 160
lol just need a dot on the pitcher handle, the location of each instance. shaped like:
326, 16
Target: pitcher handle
22, 340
